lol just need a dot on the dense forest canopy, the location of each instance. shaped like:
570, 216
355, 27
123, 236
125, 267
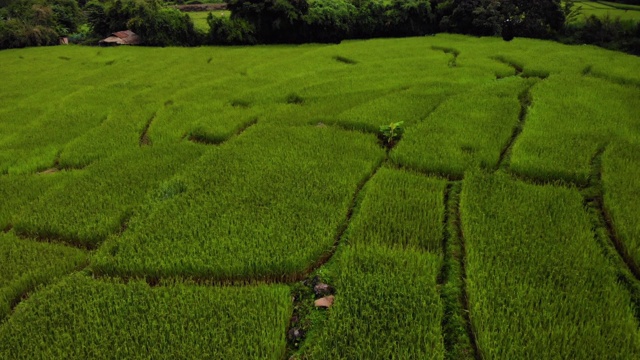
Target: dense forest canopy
42, 22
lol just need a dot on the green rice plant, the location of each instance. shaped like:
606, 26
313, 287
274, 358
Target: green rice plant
26, 264
621, 180
121, 129
266, 205
17, 191
593, 112
457, 340
537, 281
35, 145
386, 306
466, 130
400, 209
404, 106
82, 318
392, 133
270, 204
603, 9
209, 122
93, 203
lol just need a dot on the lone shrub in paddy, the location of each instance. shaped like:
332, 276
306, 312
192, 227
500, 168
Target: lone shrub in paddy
390, 134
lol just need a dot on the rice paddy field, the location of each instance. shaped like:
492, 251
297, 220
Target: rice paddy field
199, 18
609, 9
162, 203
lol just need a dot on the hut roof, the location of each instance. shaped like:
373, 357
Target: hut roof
126, 37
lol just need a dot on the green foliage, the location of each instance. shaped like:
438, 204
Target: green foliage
266, 194
467, 130
605, 31
227, 31
85, 318
391, 134
30, 23
534, 269
266, 170
410, 18
26, 264
400, 209
329, 20
156, 24
621, 179
274, 21
387, 306
539, 19
601, 112
161, 26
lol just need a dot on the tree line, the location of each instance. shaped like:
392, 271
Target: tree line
42, 22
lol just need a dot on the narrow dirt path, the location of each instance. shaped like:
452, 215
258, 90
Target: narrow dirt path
464, 297
525, 103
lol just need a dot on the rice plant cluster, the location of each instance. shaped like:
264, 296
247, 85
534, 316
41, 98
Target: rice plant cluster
386, 273
80, 318
183, 203
564, 299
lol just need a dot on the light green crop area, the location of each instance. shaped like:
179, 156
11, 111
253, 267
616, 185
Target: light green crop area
81, 318
400, 209
385, 278
387, 306
25, 264
570, 119
537, 281
266, 205
207, 189
200, 18
621, 181
603, 9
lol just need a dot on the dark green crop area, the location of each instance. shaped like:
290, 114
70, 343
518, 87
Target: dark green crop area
190, 203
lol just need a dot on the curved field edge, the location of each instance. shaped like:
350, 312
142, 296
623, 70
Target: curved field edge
80, 317
297, 97
25, 265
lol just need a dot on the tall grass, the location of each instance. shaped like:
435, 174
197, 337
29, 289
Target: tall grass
26, 264
387, 306
570, 119
400, 209
385, 275
89, 205
266, 205
467, 130
150, 135
538, 282
621, 180
17, 191
81, 318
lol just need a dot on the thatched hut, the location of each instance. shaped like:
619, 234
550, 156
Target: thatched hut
126, 37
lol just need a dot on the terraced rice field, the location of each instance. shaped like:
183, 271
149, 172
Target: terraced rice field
195, 203
610, 9
199, 18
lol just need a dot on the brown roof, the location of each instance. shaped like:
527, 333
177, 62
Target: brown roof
125, 37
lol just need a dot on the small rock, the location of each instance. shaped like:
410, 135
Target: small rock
295, 334
321, 124
49, 171
325, 302
322, 290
